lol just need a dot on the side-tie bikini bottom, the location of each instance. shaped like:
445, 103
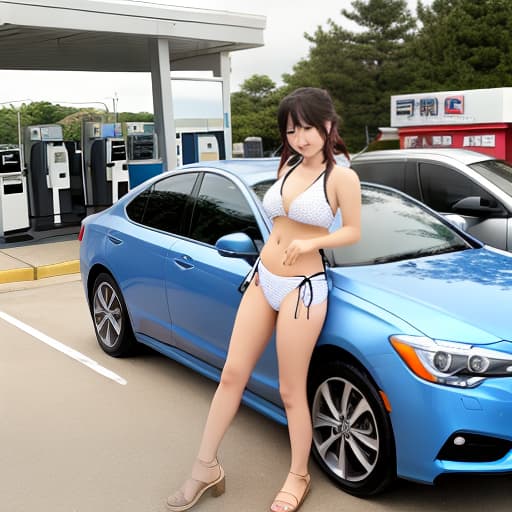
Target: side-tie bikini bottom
312, 289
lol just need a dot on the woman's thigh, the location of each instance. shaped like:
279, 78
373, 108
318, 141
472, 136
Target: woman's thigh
252, 330
296, 338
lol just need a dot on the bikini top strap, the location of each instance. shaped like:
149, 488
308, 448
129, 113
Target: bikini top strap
292, 165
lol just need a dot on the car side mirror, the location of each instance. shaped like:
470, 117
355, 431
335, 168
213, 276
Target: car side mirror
237, 245
476, 205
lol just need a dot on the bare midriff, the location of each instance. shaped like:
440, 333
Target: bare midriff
284, 231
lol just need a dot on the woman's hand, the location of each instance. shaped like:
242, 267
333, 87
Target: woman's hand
295, 249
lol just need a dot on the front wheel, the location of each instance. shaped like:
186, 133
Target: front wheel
110, 317
353, 440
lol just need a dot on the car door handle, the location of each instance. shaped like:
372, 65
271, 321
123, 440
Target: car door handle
184, 262
114, 240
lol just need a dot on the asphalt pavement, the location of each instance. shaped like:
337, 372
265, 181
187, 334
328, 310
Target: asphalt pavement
74, 439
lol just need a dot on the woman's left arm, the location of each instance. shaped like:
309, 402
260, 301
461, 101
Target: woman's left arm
348, 198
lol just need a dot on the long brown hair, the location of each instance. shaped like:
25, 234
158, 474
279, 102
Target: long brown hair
311, 106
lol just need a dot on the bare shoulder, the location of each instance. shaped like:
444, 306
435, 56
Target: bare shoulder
344, 177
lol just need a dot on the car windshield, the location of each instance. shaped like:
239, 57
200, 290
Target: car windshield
497, 172
394, 228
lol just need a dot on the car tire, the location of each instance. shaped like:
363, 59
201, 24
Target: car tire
110, 318
353, 439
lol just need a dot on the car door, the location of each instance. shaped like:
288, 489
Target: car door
442, 187
138, 247
203, 286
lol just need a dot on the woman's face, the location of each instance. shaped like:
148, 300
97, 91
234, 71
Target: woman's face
304, 139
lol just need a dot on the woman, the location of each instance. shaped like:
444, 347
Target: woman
288, 290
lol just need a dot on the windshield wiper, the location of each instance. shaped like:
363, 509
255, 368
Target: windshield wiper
420, 253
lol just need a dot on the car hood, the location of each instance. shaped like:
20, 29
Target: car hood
464, 296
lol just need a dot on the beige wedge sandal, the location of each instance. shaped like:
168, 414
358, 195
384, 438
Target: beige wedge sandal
193, 488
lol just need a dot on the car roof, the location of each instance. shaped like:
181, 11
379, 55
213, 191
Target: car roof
248, 169
464, 156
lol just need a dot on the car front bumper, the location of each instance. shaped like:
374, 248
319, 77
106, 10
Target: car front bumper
428, 417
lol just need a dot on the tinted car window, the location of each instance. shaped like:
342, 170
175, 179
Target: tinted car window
391, 174
135, 209
163, 206
442, 187
393, 227
221, 208
497, 172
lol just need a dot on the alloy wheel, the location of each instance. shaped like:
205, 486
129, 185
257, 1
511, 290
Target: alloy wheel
107, 313
345, 431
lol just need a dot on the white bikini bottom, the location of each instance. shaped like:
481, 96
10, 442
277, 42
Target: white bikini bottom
312, 289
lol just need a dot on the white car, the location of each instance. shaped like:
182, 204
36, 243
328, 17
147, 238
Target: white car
456, 182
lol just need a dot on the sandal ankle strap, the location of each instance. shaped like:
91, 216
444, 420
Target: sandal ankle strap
208, 465
307, 476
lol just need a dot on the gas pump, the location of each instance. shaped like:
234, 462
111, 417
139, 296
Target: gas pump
49, 177
201, 146
104, 153
13, 192
143, 160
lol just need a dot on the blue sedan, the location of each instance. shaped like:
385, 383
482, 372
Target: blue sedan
412, 373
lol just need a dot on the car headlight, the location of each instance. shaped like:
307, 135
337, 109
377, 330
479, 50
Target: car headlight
452, 364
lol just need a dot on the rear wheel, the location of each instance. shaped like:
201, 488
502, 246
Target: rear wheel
110, 318
352, 436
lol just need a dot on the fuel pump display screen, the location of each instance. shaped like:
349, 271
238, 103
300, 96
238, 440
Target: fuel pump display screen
141, 147
10, 162
118, 151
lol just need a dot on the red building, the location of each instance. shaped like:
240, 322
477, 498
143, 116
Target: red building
478, 119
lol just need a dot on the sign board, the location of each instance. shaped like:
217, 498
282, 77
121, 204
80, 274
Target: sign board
452, 107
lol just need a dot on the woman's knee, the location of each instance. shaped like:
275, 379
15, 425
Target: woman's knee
233, 377
292, 396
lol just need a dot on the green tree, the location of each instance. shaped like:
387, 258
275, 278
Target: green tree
143, 117
43, 112
360, 69
254, 110
9, 125
462, 44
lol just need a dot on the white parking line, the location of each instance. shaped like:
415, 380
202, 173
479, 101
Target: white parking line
70, 352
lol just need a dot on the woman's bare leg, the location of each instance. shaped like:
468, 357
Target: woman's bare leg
254, 323
253, 327
295, 340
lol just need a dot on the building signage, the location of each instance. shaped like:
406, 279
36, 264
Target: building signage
452, 107
476, 141
428, 107
428, 141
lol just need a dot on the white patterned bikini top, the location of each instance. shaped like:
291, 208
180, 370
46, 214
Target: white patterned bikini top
309, 207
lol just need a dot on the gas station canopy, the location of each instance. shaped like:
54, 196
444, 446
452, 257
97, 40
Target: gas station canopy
90, 35
108, 36
127, 36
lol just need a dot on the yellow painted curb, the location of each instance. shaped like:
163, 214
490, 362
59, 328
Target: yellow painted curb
57, 269
17, 274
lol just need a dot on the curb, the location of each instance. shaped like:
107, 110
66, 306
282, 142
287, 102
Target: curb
41, 272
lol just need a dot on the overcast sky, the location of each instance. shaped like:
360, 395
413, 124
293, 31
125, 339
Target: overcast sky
285, 45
